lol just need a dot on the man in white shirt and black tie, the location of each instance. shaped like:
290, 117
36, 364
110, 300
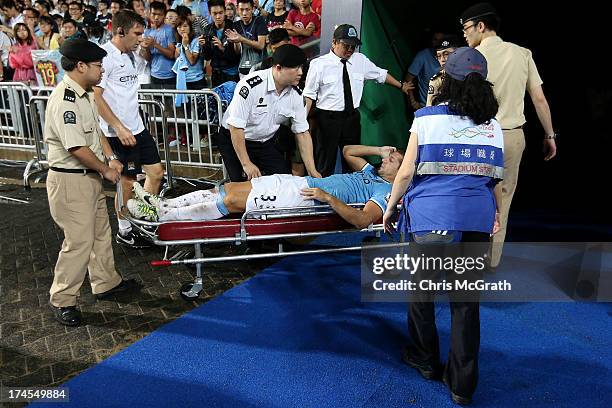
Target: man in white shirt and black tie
335, 81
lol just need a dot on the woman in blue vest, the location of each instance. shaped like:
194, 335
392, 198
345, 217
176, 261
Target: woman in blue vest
449, 184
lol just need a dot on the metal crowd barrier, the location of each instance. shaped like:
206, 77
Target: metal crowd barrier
192, 122
38, 164
15, 124
190, 125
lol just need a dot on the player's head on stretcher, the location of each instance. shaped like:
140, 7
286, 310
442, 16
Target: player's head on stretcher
366, 185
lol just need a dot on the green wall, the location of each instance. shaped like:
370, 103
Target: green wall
385, 119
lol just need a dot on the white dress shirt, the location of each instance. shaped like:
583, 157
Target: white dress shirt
259, 110
324, 79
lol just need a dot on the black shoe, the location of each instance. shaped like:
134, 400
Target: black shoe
125, 286
133, 240
457, 399
427, 371
68, 316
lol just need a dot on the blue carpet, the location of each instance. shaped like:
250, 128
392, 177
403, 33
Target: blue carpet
297, 335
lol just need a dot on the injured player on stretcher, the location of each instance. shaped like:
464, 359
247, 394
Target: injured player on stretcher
366, 185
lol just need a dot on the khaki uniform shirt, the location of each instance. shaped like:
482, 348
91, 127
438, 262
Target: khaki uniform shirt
512, 71
434, 86
71, 120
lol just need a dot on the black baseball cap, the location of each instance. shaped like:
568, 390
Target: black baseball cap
348, 33
82, 50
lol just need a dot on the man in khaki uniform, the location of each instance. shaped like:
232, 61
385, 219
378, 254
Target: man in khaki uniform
74, 184
447, 46
512, 72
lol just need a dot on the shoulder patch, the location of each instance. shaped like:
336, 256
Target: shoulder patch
69, 95
430, 90
69, 118
298, 89
253, 82
244, 92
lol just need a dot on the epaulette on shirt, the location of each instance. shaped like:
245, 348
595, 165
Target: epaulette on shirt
253, 82
298, 89
69, 95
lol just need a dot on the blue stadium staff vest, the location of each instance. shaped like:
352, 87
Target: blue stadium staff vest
457, 167
450, 144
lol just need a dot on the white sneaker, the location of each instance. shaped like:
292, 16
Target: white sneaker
143, 195
141, 210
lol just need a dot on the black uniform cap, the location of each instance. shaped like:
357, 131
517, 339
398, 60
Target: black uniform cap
289, 56
477, 11
449, 41
82, 50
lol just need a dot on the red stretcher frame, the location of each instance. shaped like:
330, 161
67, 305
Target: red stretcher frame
255, 225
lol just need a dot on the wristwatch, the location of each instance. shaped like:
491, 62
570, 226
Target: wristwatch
553, 136
111, 158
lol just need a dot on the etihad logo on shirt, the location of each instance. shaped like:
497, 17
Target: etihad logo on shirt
128, 78
473, 131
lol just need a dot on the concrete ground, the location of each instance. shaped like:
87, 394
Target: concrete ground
37, 351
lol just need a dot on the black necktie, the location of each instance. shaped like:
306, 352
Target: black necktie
346, 83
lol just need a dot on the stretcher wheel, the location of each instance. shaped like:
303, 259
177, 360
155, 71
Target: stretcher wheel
184, 292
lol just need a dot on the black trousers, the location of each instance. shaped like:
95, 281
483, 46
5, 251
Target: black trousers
461, 369
265, 155
336, 129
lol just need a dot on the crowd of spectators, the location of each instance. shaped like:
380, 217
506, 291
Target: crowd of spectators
218, 39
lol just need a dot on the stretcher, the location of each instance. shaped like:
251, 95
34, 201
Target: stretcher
255, 225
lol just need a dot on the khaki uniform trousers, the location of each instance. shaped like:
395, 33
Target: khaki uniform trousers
78, 206
514, 145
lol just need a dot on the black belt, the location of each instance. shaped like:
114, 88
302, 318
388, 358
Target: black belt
337, 114
79, 171
514, 128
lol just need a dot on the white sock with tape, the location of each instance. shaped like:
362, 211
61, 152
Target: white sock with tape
202, 211
196, 197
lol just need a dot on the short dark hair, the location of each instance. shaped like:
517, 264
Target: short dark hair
277, 35
44, 4
68, 64
121, 3
247, 1
70, 21
33, 10
472, 97
157, 5
183, 11
7, 4
216, 3
78, 3
45, 20
126, 19
491, 21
